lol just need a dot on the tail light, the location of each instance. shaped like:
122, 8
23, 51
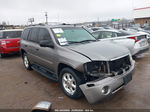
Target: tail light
4, 42
134, 38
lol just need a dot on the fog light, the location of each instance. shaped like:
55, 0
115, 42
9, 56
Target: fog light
105, 90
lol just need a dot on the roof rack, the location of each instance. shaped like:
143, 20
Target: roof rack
61, 24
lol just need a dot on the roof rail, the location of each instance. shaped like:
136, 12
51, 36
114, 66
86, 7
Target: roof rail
40, 24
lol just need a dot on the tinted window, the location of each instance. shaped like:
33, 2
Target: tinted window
25, 34
12, 34
33, 36
44, 34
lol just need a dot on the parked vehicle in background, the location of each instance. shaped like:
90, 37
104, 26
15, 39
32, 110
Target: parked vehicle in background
134, 30
147, 29
95, 28
10, 41
136, 43
72, 56
109, 28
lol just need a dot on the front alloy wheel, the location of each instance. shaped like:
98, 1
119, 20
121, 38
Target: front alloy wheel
70, 81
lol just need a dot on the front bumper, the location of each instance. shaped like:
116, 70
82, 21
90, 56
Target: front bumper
93, 90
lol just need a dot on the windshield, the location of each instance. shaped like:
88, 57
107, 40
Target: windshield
66, 36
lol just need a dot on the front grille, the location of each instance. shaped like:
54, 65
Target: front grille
107, 68
119, 66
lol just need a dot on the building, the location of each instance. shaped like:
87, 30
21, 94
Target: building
142, 15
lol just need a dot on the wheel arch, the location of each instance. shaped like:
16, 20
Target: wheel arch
63, 65
22, 52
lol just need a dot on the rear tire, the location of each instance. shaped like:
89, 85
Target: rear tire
26, 62
70, 82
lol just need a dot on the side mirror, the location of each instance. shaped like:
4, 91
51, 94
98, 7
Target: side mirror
42, 106
46, 43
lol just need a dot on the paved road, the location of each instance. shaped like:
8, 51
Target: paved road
20, 88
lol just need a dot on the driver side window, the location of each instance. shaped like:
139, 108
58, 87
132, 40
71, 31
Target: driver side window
44, 34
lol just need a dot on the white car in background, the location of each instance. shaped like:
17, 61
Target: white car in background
141, 31
137, 43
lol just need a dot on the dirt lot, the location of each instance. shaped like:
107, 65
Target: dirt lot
20, 88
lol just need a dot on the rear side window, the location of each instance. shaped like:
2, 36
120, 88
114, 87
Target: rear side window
12, 34
25, 34
122, 34
33, 36
44, 34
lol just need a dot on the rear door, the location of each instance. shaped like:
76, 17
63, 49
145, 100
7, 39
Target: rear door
32, 44
12, 38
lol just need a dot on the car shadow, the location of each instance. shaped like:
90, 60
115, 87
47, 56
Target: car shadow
11, 56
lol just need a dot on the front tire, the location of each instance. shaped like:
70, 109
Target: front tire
26, 62
70, 82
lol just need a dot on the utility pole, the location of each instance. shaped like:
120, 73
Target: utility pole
46, 16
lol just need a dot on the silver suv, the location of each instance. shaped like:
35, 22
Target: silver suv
80, 63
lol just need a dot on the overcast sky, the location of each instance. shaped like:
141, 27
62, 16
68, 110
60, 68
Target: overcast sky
69, 11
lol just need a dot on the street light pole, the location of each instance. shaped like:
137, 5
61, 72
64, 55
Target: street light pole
46, 16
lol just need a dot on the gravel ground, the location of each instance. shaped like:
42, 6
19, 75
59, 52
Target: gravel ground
21, 89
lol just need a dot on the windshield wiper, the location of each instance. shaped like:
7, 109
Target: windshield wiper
74, 42
87, 41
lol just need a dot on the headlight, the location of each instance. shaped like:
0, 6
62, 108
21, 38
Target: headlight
96, 68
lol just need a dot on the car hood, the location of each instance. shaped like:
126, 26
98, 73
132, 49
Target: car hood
100, 50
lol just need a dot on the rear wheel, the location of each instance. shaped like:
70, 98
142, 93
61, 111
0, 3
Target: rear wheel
70, 82
26, 62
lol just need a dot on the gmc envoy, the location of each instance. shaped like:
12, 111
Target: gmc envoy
81, 64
